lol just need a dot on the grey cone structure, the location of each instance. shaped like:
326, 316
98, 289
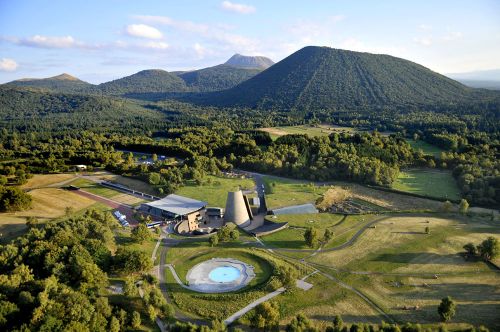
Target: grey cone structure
237, 209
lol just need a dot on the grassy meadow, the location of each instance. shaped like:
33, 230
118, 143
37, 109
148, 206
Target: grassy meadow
429, 182
215, 189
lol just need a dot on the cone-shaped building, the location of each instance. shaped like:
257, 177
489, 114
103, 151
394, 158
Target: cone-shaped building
237, 209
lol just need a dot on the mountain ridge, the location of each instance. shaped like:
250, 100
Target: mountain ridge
327, 78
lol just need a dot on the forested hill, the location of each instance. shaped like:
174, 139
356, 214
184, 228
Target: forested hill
145, 81
27, 109
326, 78
217, 78
61, 83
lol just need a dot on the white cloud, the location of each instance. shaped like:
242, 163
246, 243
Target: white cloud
143, 31
425, 27
156, 45
424, 41
7, 64
50, 41
237, 7
453, 35
199, 50
221, 35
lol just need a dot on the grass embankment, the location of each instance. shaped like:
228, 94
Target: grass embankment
220, 306
432, 183
214, 190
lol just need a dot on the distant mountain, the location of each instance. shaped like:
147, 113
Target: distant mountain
486, 79
480, 84
145, 81
327, 78
253, 62
479, 75
59, 83
216, 78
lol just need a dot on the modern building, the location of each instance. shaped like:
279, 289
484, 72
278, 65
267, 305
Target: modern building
175, 207
238, 209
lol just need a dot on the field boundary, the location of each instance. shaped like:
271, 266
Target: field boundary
395, 191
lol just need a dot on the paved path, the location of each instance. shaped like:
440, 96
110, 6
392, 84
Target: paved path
252, 305
176, 276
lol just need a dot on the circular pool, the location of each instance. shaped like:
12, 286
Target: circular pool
224, 274
219, 275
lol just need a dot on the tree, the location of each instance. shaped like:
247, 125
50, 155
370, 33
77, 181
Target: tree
489, 249
224, 233
136, 320
287, 276
266, 316
427, 230
129, 288
154, 157
328, 235
234, 235
114, 324
446, 309
129, 260
311, 237
338, 323
213, 240
69, 210
470, 249
141, 233
14, 199
447, 206
218, 326
463, 207
300, 323
154, 178
152, 313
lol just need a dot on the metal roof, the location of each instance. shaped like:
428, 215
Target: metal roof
178, 205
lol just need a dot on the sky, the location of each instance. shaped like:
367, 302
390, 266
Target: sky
101, 40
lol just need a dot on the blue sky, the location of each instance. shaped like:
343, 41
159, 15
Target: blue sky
107, 39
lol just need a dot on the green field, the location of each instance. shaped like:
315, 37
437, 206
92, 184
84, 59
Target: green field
214, 191
433, 183
343, 229
284, 192
427, 149
319, 220
399, 262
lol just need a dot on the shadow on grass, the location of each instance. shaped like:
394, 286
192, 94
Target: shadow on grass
407, 257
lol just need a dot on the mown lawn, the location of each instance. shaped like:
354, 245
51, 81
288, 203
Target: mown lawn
214, 190
433, 183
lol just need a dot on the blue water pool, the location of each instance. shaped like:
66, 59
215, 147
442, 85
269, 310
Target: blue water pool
224, 274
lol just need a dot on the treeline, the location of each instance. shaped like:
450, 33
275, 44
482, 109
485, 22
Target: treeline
53, 277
